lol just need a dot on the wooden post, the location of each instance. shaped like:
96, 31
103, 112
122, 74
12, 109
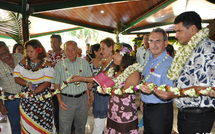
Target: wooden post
25, 30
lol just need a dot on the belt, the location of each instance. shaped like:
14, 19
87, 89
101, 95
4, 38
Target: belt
196, 110
75, 96
151, 104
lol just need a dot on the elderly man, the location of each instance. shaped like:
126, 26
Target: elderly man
73, 99
195, 115
10, 107
143, 52
158, 113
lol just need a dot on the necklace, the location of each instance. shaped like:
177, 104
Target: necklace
66, 69
119, 81
34, 65
34, 73
52, 53
7, 70
11, 73
152, 69
184, 53
101, 66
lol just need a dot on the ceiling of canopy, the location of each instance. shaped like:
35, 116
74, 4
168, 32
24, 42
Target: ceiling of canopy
122, 16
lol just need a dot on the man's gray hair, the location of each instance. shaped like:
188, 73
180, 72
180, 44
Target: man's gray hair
165, 38
70, 41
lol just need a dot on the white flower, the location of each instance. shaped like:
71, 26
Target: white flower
191, 92
118, 91
162, 87
129, 90
175, 90
121, 53
108, 90
207, 90
203, 91
138, 86
151, 86
99, 88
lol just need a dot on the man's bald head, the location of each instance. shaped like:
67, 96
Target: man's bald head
70, 42
71, 50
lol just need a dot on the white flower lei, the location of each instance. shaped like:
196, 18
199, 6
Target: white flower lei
121, 78
179, 91
126, 73
184, 53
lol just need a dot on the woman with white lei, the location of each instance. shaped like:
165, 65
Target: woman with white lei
122, 111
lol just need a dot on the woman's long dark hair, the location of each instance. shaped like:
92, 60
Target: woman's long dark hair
94, 47
127, 60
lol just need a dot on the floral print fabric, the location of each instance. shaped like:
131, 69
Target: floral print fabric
122, 115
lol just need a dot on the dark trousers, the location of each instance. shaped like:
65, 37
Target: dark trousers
158, 119
195, 123
13, 114
56, 112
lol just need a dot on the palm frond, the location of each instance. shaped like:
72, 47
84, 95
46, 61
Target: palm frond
11, 25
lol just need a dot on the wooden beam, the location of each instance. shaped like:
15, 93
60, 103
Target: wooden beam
71, 4
73, 23
53, 32
151, 12
10, 7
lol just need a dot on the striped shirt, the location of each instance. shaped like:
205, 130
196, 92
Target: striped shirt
7, 81
61, 75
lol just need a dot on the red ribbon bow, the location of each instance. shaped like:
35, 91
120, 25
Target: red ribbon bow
39, 50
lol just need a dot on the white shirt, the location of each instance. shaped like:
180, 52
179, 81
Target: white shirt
142, 54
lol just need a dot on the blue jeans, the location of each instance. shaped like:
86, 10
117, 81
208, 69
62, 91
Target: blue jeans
13, 114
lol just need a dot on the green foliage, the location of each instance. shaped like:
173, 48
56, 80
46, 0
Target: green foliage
12, 26
138, 41
89, 35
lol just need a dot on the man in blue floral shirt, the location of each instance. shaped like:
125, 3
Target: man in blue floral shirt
195, 115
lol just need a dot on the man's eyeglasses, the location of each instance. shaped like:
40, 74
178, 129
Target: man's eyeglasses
155, 41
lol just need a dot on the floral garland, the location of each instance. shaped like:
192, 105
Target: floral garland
52, 53
27, 67
119, 81
7, 69
177, 90
41, 98
76, 83
184, 53
152, 69
100, 68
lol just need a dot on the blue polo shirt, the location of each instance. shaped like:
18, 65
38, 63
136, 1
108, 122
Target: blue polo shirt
159, 76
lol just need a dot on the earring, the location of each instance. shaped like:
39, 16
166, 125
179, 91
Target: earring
110, 53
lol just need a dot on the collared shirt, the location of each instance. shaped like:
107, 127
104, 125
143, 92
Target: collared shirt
142, 54
53, 57
7, 81
199, 70
158, 77
61, 75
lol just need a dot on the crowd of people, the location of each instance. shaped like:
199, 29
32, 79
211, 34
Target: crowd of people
59, 86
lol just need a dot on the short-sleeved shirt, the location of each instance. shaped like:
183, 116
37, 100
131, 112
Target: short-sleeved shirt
158, 77
7, 81
53, 57
73, 68
142, 54
199, 70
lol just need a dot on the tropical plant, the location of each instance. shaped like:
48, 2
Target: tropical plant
10, 24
